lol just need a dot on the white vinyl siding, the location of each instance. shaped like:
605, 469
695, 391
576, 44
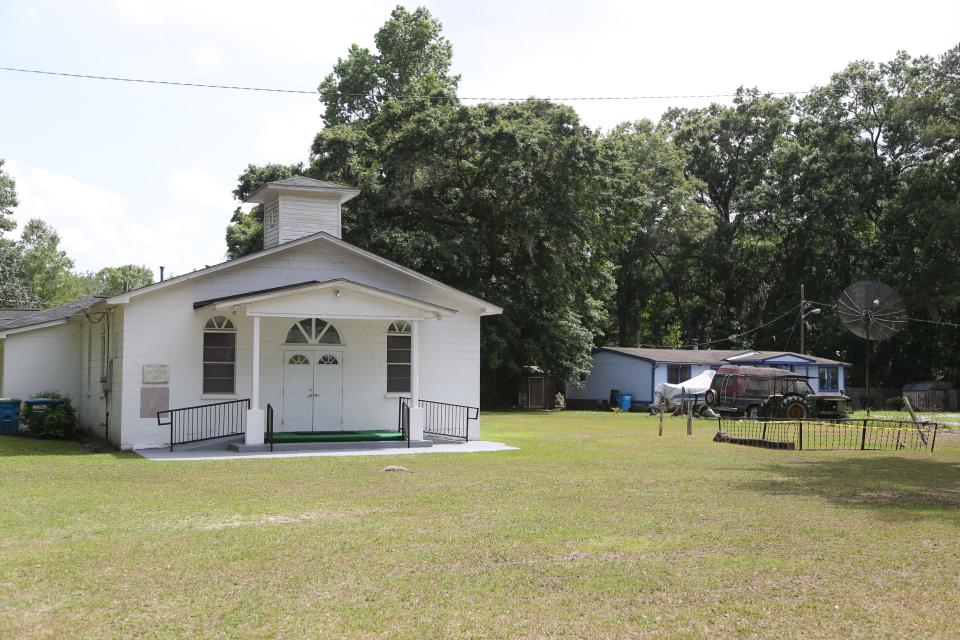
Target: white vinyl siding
271, 223
303, 216
163, 328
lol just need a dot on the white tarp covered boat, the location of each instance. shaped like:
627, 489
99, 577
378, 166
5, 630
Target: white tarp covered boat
672, 393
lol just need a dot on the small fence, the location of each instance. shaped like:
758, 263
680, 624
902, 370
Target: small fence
205, 421
439, 418
830, 435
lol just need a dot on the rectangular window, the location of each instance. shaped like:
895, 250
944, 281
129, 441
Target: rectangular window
829, 379
219, 361
677, 373
398, 364
758, 387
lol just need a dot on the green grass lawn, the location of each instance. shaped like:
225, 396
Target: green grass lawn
595, 527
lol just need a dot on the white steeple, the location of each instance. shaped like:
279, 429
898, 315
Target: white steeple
300, 206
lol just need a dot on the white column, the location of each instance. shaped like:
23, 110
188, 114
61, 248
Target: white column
416, 413
255, 365
255, 418
415, 362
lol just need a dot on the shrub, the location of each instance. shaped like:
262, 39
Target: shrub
59, 422
894, 402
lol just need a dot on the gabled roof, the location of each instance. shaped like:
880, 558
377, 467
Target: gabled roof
304, 181
315, 285
51, 316
714, 356
322, 236
9, 315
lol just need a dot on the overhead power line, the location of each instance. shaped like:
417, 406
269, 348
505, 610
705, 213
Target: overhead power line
201, 85
942, 323
730, 337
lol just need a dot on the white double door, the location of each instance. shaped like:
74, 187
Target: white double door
312, 390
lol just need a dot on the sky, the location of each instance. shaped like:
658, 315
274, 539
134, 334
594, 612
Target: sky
131, 173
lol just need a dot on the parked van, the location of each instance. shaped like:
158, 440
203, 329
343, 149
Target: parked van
770, 392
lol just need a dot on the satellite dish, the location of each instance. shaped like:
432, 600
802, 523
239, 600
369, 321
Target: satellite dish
873, 311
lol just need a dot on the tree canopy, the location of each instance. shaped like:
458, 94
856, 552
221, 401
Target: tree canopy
701, 226
35, 272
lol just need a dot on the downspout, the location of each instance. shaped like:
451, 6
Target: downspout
108, 384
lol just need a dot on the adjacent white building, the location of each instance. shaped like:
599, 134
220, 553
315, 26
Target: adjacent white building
329, 336
637, 371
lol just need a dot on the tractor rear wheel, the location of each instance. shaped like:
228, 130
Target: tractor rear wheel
795, 408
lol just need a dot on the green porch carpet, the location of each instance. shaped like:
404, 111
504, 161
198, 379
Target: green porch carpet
336, 436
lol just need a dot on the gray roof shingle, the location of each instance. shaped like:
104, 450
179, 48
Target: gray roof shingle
711, 356
303, 181
9, 315
43, 316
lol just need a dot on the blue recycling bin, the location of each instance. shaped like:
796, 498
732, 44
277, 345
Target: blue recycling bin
9, 417
626, 402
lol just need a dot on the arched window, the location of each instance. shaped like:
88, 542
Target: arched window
313, 331
219, 355
328, 358
398, 357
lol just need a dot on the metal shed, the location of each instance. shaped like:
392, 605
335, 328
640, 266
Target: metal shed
934, 395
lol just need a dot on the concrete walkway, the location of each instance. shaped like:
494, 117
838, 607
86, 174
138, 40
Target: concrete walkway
479, 446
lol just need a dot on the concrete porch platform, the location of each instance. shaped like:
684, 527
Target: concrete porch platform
350, 445
328, 449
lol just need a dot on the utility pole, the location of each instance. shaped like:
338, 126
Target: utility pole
803, 304
804, 312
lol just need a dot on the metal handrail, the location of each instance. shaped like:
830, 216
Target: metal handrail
403, 418
270, 425
205, 421
444, 418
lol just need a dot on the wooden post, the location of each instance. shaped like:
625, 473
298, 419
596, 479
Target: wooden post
916, 422
690, 418
663, 407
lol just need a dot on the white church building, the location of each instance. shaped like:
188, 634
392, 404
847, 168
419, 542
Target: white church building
310, 336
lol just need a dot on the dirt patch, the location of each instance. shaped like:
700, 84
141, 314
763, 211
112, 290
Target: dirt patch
279, 519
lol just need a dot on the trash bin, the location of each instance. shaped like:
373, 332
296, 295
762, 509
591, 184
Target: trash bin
626, 402
38, 408
9, 416
614, 398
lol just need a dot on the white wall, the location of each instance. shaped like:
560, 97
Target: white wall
43, 360
615, 371
661, 373
163, 328
305, 215
271, 223
91, 403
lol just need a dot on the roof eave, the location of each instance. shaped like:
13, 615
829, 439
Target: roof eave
262, 194
33, 327
339, 283
486, 308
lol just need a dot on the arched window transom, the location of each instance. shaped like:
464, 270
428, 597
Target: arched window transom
399, 326
219, 323
298, 359
313, 331
328, 358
